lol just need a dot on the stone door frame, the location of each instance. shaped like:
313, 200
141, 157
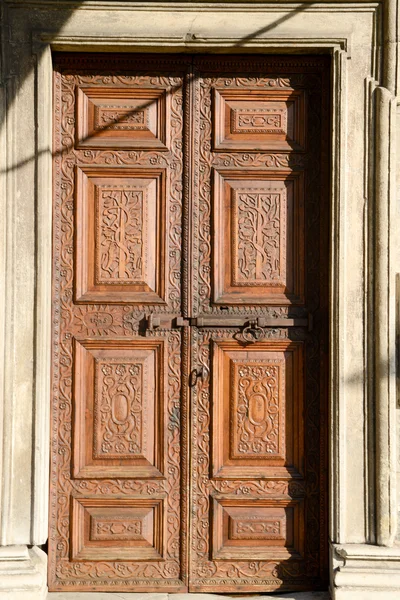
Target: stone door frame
360, 36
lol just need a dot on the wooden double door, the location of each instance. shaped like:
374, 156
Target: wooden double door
190, 347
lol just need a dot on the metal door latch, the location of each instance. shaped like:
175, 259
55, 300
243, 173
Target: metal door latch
153, 322
164, 321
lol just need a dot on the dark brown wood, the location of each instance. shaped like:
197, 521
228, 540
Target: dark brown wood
190, 281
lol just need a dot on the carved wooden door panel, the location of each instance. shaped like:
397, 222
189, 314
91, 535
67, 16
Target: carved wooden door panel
119, 413
189, 323
259, 300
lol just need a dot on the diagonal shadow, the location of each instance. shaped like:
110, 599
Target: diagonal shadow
69, 147
272, 26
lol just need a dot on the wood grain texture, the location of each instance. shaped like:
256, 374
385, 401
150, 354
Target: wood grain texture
119, 408
258, 239
260, 248
189, 187
120, 246
123, 117
116, 450
257, 404
258, 119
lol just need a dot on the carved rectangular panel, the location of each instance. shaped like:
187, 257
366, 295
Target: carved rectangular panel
120, 246
122, 117
249, 449
257, 529
117, 529
260, 254
258, 119
189, 186
119, 392
257, 400
118, 487
258, 239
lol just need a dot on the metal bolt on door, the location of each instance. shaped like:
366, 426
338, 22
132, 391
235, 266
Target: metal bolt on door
190, 307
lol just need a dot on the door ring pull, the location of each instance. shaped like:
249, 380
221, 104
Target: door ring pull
252, 333
196, 374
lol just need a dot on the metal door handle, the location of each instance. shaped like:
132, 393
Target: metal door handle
196, 374
252, 333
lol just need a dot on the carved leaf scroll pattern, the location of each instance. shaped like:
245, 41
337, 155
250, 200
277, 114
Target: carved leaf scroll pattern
255, 408
206, 572
102, 573
258, 239
120, 528
255, 528
205, 159
119, 423
173, 160
62, 319
258, 489
272, 161
257, 82
255, 121
121, 231
117, 117
103, 320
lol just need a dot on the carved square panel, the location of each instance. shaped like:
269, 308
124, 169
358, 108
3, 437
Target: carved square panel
254, 529
122, 118
259, 120
118, 426
117, 529
120, 237
258, 245
257, 409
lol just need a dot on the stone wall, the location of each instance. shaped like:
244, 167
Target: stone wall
362, 39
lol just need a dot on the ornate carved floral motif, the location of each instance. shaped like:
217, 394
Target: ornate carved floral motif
258, 239
120, 529
255, 528
252, 120
121, 231
120, 425
117, 117
118, 383
121, 383
256, 408
260, 245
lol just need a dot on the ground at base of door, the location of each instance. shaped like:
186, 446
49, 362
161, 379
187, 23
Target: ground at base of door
126, 596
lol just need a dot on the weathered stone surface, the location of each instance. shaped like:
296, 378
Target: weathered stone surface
365, 254
123, 596
23, 573
106, 596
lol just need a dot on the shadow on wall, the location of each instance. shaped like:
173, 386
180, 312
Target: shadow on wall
15, 70
9, 45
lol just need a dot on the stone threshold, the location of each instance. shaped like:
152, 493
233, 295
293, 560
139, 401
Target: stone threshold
150, 596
